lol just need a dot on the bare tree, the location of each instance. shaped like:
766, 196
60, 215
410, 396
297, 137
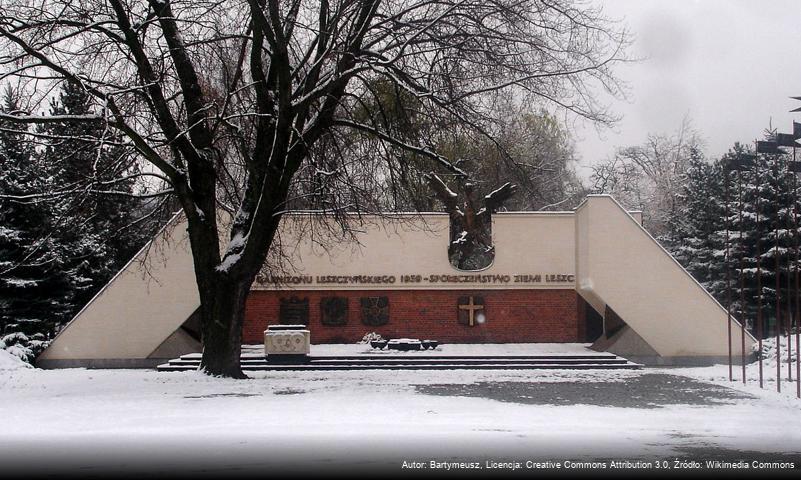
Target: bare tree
228, 100
648, 177
530, 148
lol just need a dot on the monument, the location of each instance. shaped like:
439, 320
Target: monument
591, 275
286, 342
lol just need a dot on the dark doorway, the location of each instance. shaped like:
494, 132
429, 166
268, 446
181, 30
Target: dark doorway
593, 323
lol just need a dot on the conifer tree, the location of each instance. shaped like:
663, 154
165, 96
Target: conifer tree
762, 232
763, 235
94, 207
776, 238
35, 286
696, 233
68, 220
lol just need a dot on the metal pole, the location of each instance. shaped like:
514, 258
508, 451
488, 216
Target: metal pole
777, 266
797, 299
759, 325
742, 276
796, 316
789, 316
728, 267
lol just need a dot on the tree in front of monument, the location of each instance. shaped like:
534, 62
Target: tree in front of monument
230, 101
36, 286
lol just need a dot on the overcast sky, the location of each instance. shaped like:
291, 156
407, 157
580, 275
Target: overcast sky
729, 64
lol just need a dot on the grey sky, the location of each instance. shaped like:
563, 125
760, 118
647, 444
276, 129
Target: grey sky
729, 64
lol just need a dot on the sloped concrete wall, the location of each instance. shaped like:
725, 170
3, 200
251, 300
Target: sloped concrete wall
139, 308
619, 264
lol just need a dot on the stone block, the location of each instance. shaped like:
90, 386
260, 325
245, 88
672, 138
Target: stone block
287, 340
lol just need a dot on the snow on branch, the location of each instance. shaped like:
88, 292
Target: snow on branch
50, 118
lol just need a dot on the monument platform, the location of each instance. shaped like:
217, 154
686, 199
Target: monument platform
517, 356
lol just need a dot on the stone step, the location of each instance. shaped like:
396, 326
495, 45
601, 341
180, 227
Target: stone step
404, 358
253, 359
411, 362
167, 367
422, 356
396, 361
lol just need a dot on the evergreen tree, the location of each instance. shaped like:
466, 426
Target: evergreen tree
762, 232
35, 286
762, 238
776, 235
68, 220
90, 223
696, 232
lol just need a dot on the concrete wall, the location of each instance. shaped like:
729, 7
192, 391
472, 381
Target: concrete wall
141, 307
620, 265
531, 243
144, 304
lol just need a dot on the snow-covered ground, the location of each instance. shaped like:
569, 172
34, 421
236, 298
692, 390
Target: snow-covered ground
719, 374
96, 420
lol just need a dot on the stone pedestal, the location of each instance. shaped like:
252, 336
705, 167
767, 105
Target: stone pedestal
287, 341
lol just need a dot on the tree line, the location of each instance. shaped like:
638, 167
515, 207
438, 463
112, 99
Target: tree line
249, 109
74, 207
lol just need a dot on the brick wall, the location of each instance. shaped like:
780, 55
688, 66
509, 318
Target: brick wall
512, 316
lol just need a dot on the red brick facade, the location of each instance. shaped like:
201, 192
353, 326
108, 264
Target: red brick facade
511, 316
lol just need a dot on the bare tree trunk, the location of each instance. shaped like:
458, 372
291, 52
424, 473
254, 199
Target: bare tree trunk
224, 292
222, 316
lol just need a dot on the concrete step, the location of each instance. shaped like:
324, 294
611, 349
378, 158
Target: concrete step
407, 361
413, 355
411, 362
420, 366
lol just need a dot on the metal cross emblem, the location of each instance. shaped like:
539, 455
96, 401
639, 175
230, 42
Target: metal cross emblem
471, 308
